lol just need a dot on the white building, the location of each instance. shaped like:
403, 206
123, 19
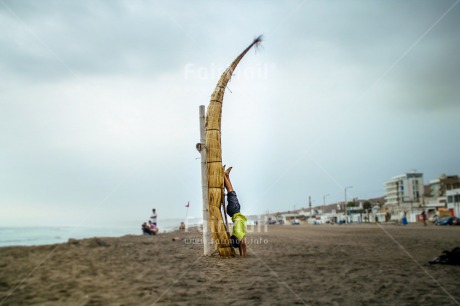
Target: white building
404, 192
453, 200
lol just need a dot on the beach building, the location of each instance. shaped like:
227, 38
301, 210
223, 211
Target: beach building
435, 191
453, 200
330, 217
287, 218
404, 193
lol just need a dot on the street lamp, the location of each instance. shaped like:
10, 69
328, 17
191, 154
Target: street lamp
345, 204
324, 200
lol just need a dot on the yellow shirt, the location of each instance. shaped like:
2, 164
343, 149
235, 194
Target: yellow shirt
239, 225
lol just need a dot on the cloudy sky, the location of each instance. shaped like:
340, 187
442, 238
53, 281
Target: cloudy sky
99, 103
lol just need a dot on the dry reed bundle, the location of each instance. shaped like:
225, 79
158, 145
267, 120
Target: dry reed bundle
214, 158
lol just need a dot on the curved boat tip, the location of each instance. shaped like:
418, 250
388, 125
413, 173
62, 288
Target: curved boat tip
258, 40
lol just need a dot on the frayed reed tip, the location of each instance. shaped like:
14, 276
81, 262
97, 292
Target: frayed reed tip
258, 40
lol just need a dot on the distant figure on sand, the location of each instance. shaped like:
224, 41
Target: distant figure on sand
147, 230
423, 218
153, 227
182, 226
144, 229
404, 219
238, 238
153, 217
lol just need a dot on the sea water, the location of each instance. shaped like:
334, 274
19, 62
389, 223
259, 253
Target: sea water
41, 235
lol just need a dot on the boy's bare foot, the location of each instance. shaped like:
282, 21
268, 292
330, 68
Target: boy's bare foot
227, 172
227, 183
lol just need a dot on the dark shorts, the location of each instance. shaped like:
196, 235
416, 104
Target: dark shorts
233, 206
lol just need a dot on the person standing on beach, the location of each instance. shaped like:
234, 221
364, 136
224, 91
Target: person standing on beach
424, 218
238, 238
153, 217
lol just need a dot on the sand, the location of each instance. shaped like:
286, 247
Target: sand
310, 265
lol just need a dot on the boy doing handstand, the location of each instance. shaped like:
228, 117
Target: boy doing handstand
238, 238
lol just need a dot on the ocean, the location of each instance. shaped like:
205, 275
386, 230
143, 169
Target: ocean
42, 235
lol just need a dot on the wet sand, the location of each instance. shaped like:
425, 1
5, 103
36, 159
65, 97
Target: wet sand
312, 265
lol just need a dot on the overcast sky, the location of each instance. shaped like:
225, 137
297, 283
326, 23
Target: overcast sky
99, 103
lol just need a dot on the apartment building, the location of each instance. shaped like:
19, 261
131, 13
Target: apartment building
405, 191
453, 200
436, 190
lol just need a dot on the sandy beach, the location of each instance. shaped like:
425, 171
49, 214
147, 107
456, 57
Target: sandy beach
310, 265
